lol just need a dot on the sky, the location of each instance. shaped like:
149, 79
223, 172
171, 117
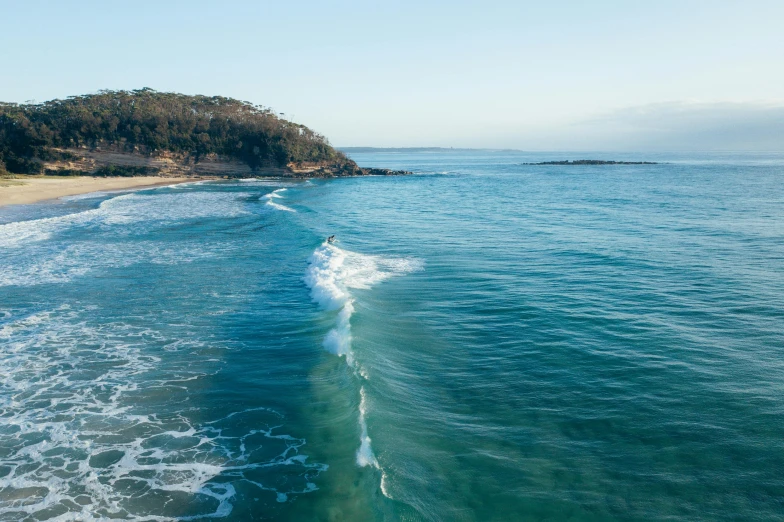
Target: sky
559, 75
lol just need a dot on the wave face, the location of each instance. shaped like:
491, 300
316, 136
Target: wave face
331, 275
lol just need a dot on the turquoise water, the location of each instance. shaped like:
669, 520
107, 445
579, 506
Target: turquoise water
485, 341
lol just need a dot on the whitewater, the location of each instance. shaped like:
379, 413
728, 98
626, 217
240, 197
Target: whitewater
331, 275
485, 340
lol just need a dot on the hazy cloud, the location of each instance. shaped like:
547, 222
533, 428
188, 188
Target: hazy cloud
681, 126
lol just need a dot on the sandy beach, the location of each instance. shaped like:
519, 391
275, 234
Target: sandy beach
33, 189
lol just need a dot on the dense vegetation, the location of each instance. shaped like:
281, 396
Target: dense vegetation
147, 122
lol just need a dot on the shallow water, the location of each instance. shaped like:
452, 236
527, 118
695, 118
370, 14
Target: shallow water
486, 341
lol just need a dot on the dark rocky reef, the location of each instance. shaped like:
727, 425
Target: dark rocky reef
350, 171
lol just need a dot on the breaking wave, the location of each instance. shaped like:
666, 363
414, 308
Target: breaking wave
44, 250
272, 196
331, 275
134, 208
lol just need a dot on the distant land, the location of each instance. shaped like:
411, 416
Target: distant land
150, 133
592, 162
349, 150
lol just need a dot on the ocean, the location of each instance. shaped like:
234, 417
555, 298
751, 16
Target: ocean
484, 341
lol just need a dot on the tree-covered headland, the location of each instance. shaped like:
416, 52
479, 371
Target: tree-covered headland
147, 122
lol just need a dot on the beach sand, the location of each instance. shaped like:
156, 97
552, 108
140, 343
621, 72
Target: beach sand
22, 190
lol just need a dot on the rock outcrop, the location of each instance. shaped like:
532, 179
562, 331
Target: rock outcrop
103, 160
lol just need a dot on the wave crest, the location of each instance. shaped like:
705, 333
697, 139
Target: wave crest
332, 274
272, 196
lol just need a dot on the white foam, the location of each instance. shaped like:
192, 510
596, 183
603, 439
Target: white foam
47, 266
265, 182
278, 206
36, 254
89, 446
89, 195
272, 196
331, 275
179, 186
172, 207
332, 272
128, 208
365, 456
18, 233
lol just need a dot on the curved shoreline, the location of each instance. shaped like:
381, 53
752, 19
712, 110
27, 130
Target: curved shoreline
21, 191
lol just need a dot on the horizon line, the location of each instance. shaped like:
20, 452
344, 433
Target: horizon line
569, 151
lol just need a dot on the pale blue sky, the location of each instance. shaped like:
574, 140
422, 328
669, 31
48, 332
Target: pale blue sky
529, 75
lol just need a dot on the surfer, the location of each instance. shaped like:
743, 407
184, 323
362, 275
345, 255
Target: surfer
331, 239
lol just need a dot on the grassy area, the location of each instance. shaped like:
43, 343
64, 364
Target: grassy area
9, 180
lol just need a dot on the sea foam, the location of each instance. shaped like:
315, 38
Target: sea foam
272, 196
138, 208
45, 250
331, 275
77, 448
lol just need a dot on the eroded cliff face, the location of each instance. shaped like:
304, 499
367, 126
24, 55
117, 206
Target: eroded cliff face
91, 161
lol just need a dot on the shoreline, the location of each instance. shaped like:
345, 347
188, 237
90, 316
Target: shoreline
26, 190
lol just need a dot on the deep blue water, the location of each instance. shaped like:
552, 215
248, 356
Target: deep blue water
485, 341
